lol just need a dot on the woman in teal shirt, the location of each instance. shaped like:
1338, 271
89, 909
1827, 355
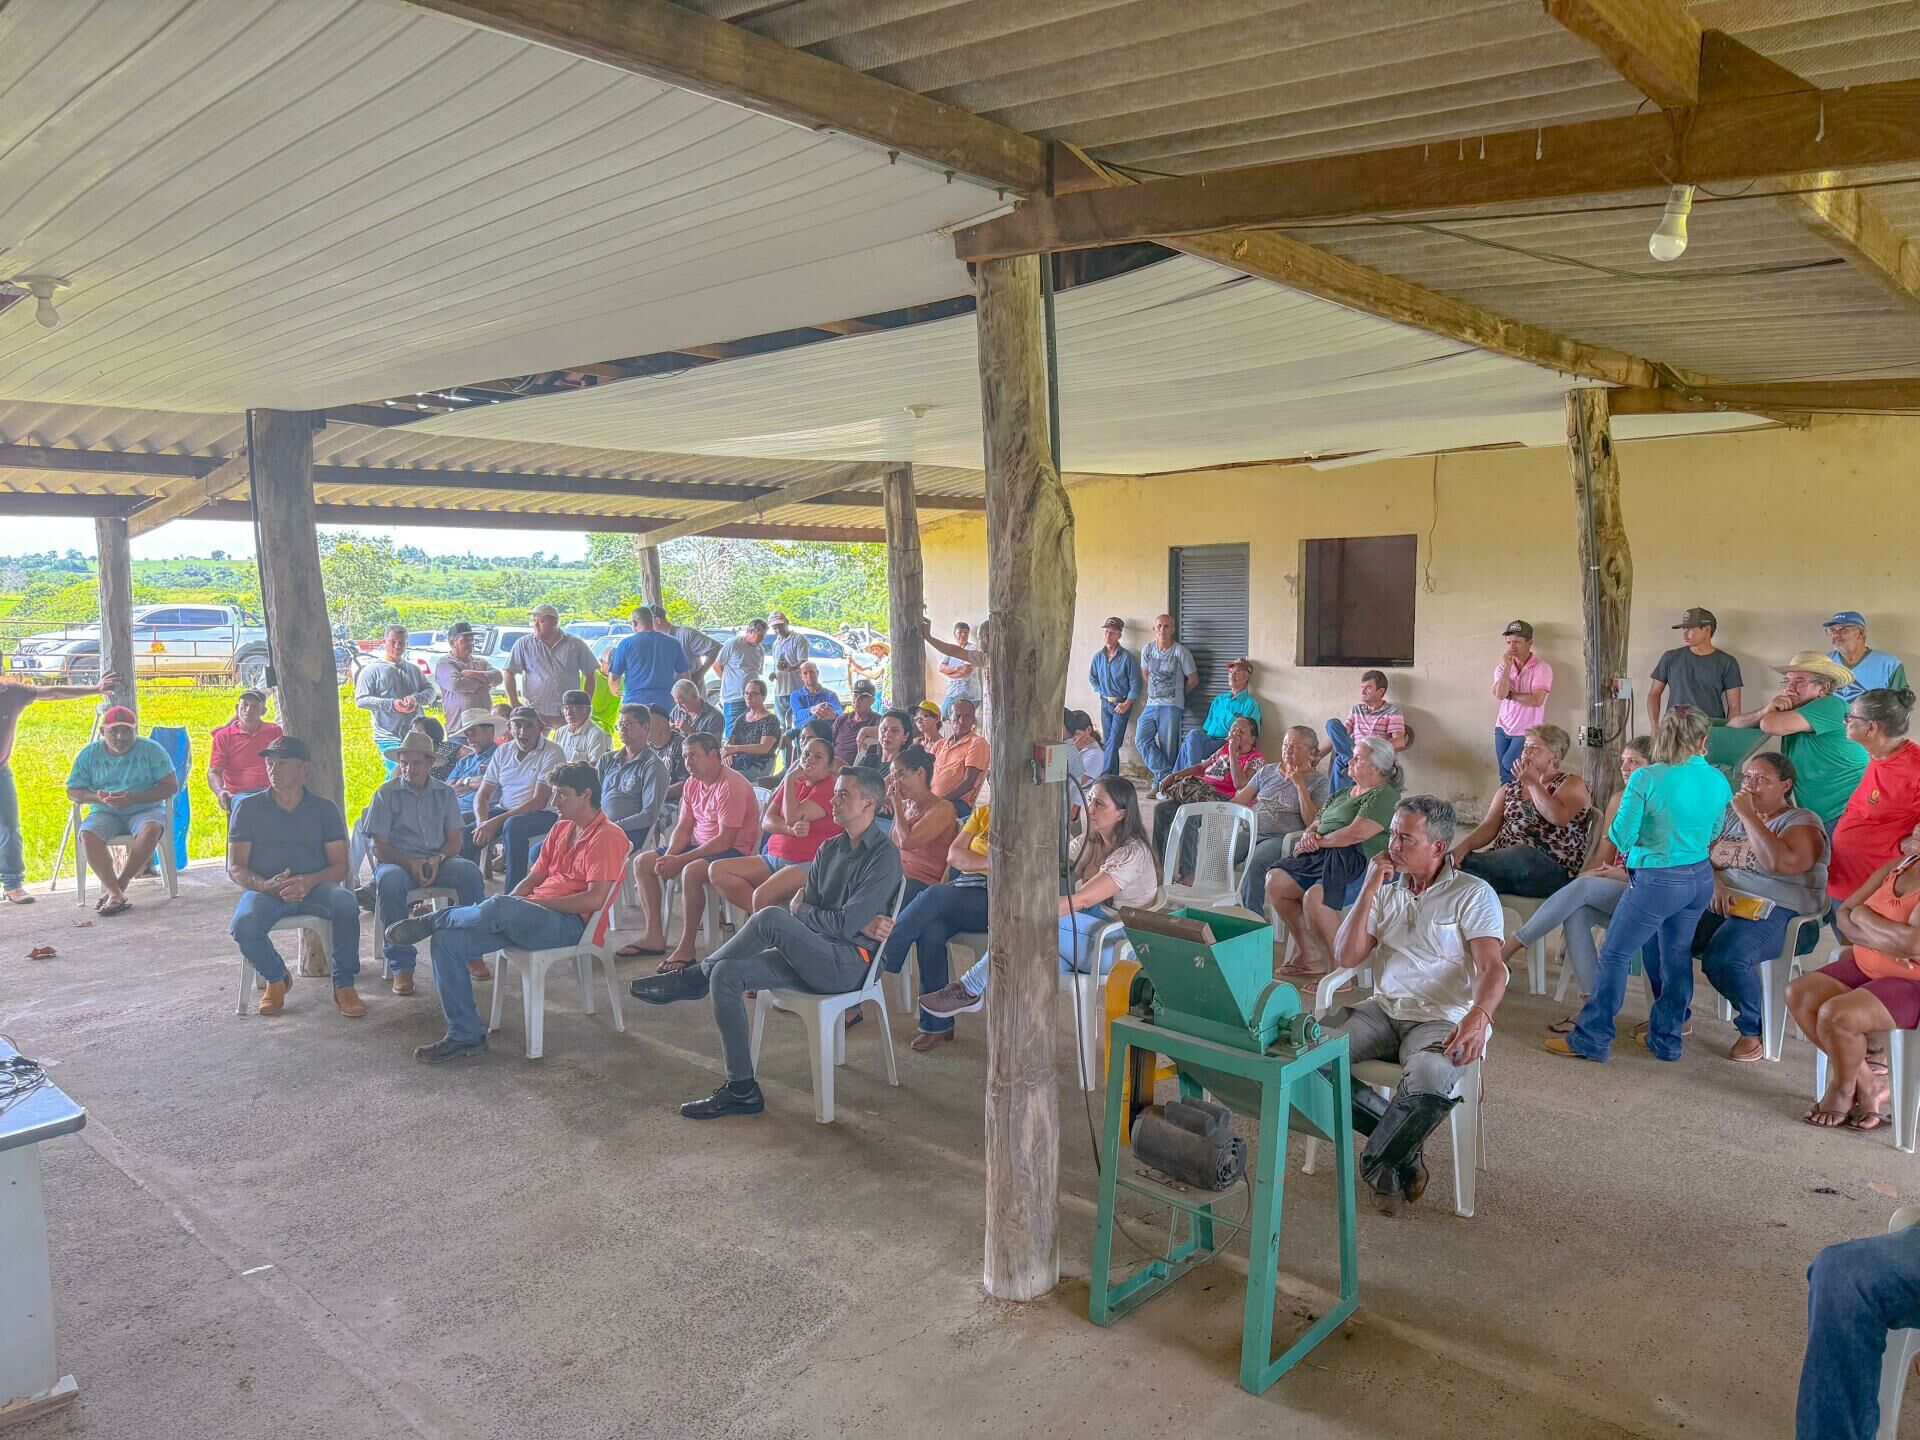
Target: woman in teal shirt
1668, 818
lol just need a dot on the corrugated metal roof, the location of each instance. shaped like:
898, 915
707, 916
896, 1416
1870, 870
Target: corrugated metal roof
1177, 366
305, 203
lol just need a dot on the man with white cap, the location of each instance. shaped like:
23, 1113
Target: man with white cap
124, 780
552, 662
1810, 719
1872, 669
789, 654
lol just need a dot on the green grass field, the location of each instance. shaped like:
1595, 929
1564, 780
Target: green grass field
52, 732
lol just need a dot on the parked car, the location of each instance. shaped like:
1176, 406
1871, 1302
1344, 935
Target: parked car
211, 643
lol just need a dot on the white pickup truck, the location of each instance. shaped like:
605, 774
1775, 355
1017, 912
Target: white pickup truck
215, 643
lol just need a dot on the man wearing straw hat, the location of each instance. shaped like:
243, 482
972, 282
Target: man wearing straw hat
1810, 719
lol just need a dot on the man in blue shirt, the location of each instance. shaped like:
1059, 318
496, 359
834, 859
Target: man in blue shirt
812, 701
1225, 709
124, 780
1872, 669
470, 769
1115, 678
644, 666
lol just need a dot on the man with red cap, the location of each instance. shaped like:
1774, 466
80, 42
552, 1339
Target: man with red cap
124, 780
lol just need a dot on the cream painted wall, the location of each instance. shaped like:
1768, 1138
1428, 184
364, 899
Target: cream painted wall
1773, 530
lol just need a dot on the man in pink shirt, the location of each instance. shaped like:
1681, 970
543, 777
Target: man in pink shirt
719, 820
234, 763
1521, 682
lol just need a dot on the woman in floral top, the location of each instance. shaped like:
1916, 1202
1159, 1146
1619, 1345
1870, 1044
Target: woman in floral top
1538, 826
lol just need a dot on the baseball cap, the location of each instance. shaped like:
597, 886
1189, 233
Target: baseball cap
930, 707
117, 715
257, 695
1816, 662
1243, 663
1697, 616
458, 628
1113, 622
544, 610
778, 615
292, 747
1844, 617
415, 742
525, 712
1520, 628
863, 687
575, 697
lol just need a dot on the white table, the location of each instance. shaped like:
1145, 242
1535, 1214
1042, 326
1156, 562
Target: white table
30, 1382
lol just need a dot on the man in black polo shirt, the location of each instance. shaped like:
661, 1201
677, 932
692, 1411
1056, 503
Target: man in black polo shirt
287, 849
823, 941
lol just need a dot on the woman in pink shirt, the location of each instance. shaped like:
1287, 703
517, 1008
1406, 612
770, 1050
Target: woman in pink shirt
798, 822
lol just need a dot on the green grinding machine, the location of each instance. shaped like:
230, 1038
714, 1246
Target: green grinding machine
1206, 999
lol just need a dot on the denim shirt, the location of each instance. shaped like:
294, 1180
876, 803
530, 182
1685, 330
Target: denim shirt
1670, 814
1116, 676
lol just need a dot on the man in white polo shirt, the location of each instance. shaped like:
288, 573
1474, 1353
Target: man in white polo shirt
551, 662
513, 802
1432, 934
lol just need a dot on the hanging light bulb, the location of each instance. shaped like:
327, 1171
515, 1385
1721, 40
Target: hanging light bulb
43, 288
1669, 239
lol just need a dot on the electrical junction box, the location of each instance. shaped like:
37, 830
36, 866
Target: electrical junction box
1592, 737
1622, 688
1050, 763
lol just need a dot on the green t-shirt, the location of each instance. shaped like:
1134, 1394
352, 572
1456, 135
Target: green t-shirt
1349, 805
1828, 764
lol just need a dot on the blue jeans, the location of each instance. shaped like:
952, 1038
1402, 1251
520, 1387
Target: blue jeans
930, 920
517, 837
1521, 870
391, 884
257, 912
1266, 855
1574, 909
13, 860
730, 711
467, 932
1198, 746
386, 745
1857, 1291
1506, 750
1341, 739
1730, 948
1664, 906
1113, 730
1158, 739
1076, 954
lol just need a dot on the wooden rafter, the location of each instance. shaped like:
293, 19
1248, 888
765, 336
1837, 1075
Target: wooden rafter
1717, 140
1818, 397
1661, 50
404, 515
185, 497
751, 511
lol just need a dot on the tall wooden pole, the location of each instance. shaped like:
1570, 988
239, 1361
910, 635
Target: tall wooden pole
1030, 590
906, 591
116, 606
1606, 572
281, 456
650, 574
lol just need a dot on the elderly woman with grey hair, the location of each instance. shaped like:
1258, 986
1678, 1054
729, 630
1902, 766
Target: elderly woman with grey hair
1310, 889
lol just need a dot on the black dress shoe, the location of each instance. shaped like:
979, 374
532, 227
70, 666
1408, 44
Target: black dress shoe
411, 929
364, 896
671, 985
727, 1101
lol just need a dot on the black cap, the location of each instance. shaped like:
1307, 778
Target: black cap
1520, 628
288, 747
259, 695
459, 627
575, 697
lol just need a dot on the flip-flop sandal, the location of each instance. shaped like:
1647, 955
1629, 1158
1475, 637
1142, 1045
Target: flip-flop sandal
42, 952
1300, 972
1868, 1120
673, 967
1564, 1026
1826, 1119
117, 909
630, 952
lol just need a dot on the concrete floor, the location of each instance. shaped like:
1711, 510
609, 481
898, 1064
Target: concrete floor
288, 1228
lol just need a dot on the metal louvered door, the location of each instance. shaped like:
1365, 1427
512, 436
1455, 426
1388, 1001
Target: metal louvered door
1207, 586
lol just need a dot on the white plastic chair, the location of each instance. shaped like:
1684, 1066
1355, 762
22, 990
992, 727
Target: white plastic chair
1219, 863
1903, 1071
322, 931
1900, 1347
1774, 975
1519, 909
584, 954
1463, 1120
163, 852
825, 1016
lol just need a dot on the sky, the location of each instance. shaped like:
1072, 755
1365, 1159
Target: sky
202, 537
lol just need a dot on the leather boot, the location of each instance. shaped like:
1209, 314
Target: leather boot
275, 1000
347, 1001
1390, 1164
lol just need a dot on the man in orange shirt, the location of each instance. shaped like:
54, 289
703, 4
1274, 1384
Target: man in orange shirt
579, 866
960, 760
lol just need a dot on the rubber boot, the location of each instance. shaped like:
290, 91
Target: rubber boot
1391, 1161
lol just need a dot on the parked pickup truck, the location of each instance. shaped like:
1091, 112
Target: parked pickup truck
214, 643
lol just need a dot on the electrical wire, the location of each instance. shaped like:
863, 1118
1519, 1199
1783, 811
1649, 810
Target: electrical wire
1669, 277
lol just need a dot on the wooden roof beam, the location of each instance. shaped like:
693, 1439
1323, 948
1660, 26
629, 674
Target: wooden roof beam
188, 497
1717, 140
752, 510
1654, 44
1896, 396
403, 515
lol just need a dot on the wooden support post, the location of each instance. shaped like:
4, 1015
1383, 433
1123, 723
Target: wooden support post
650, 574
280, 453
1031, 583
906, 592
116, 606
1606, 571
